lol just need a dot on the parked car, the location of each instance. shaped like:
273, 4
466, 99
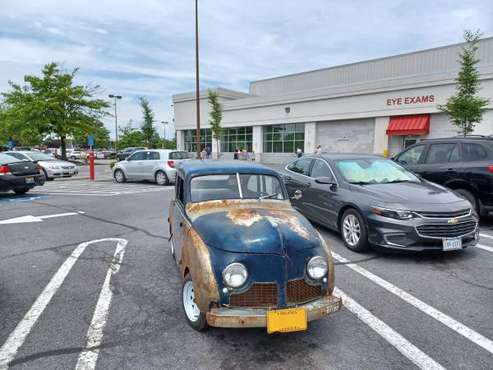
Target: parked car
463, 164
158, 165
373, 201
125, 153
247, 258
19, 175
51, 167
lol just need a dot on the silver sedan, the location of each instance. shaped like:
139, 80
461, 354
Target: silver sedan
52, 167
157, 165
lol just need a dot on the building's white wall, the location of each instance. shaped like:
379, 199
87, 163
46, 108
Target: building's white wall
380, 138
351, 136
180, 144
257, 139
310, 137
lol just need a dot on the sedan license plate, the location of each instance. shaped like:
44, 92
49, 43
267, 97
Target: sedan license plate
452, 244
288, 320
29, 180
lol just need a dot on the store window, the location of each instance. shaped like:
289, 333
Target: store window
189, 138
284, 138
236, 138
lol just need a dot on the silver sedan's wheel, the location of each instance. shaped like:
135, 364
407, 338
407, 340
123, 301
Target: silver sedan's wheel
119, 176
161, 178
191, 309
351, 230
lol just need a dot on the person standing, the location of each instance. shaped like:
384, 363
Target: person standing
235, 155
299, 152
203, 154
318, 150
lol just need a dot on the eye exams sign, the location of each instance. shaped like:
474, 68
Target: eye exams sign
409, 100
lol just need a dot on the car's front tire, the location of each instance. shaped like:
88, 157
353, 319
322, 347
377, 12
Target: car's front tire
353, 231
161, 178
195, 318
119, 176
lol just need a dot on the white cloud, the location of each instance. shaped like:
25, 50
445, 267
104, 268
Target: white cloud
146, 47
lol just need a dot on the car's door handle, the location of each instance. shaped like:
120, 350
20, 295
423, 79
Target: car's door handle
181, 224
308, 184
287, 178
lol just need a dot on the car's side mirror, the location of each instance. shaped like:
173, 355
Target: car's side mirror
327, 181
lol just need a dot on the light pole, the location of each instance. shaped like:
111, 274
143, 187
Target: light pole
197, 84
111, 96
164, 130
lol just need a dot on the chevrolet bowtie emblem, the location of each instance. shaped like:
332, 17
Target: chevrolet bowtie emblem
453, 221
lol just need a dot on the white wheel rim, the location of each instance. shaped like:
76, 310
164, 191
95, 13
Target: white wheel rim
161, 179
191, 309
119, 176
351, 230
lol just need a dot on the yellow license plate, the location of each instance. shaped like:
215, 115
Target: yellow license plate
284, 321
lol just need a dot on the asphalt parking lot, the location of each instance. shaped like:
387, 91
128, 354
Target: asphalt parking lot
87, 281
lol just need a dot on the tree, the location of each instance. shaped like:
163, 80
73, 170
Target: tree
53, 104
466, 108
151, 137
129, 136
215, 117
100, 133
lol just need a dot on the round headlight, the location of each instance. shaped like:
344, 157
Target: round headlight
317, 267
235, 275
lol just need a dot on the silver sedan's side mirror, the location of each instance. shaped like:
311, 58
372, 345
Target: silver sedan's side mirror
297, 195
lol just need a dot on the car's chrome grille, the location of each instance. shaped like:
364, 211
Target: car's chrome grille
258, 295
447, 230
299, 291
67, 167
435, 214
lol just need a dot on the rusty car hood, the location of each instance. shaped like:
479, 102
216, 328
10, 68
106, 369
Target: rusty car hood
253, 226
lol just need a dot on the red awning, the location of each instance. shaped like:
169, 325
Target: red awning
417, 124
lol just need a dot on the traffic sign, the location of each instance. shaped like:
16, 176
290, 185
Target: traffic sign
90, 140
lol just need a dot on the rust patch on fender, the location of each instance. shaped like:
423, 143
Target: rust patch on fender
196, 258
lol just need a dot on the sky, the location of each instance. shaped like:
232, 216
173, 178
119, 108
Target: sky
146, 47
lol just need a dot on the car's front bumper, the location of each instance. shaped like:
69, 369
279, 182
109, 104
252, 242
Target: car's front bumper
404, 235
61, 172
225, 317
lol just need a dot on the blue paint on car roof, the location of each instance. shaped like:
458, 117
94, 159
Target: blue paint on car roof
194, 168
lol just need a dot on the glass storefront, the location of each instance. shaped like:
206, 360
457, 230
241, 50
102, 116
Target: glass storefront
189, 139
284, 138
236, 138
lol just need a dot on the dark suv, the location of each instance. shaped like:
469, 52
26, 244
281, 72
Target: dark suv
463, 164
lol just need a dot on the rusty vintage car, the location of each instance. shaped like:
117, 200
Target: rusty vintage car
247, 258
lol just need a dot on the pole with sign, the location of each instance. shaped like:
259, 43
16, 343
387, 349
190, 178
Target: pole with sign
90, 142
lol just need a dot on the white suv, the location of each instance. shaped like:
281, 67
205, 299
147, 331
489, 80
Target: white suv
158, 165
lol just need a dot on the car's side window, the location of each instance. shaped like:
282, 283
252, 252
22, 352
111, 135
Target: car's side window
411, 156
301, 166
179, 190
474, 152
139, 156
320, 169
20, 156
440, 153
152, 156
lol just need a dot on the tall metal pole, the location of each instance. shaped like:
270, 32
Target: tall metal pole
116, 129
197, 84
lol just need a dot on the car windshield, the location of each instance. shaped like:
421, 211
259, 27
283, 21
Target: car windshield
38, 156
373, 171
251, 186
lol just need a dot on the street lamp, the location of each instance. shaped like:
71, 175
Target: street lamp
164, 130
197, 84
111, 96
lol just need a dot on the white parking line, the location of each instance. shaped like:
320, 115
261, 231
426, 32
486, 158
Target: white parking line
17, 338
486, 236
446, 320
89, 357
22, 330
484, 247
409, 350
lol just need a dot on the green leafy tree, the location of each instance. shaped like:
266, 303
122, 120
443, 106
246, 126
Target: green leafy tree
466, 108
151, 137
215, 117
53, 104
100, 133
130, 136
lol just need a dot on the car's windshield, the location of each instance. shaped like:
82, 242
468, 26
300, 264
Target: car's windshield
373, 171
251, 186
38, 156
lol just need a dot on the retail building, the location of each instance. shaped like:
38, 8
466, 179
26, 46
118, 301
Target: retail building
375, 106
